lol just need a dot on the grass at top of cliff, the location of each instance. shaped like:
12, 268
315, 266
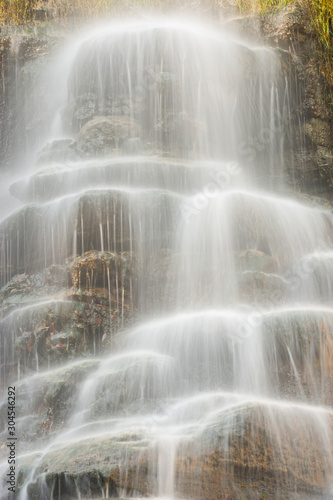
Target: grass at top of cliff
22, 11
320, 15
321, 12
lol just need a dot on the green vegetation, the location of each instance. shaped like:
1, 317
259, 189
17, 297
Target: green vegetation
320, 12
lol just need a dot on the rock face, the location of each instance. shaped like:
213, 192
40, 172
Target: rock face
255, 260
60, 151
290, 30
104, 134
262, 288
245, 450
73, 321
59, 320
311, 153
46, 400
105, 466
259, 281
26, 73
85, 108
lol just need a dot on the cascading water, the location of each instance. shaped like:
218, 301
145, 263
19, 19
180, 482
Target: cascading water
166, 256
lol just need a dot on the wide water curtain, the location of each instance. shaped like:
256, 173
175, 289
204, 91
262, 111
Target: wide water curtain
166, 302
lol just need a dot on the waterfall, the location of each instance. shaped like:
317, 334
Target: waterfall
166, 299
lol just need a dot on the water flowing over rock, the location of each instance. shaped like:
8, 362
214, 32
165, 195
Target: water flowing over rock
103, 135
165, 302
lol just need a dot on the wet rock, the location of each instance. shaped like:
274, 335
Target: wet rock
163, 270
253, 449
103, 135
46, 401
60, 332
26, 71
133, 146
286, 24
317, 131
121, 463
177, 133
290, 28
120, 105
98, 263
24, 288
298, 346
42, 13
66, 486
130, 385
94, 217
262, 288
106, 278
85, 107
10, 227
188, 129
257, 451
48, 325
255, 260
59, 151
56, 276
59, 180
20, 285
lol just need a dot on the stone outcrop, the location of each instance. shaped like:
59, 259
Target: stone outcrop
291, 29
25, 63
46, 400
77, 308
242, 460
105, 134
